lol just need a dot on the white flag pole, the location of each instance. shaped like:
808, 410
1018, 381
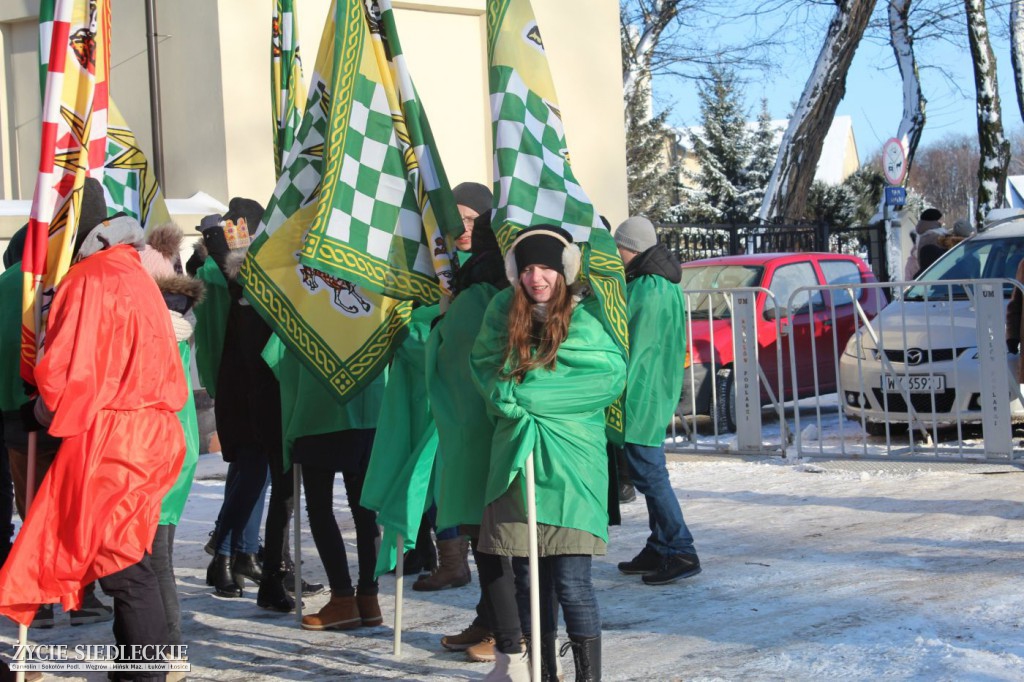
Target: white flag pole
531, 525
399, 583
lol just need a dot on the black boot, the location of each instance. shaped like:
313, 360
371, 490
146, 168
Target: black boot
586, 652
548, 657
272, 594
218, 576
246, 566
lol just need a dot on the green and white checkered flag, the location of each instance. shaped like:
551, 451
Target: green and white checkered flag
387, 219
535, 182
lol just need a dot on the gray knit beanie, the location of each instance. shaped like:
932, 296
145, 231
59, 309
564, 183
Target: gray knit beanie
636, 234
474, 195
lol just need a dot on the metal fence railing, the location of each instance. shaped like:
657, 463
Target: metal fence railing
828, 375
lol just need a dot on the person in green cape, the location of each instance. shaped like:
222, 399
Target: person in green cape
657, 346
547, 369
326, 438
463, 425
161, 258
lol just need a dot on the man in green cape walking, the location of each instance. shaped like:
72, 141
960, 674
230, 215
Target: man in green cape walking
654, 377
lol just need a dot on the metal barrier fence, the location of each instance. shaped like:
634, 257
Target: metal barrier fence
926, 376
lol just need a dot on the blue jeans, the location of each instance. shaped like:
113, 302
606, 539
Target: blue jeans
669, 534
564, 581
245, 493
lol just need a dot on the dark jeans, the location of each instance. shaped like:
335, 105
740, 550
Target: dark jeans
564, 581
138, 612
441, 533
163, 566
279, 510
669, 534
245, 492
353, 447
6, 501
484, 617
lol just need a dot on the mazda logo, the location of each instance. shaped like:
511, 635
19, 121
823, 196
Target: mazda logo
915, 356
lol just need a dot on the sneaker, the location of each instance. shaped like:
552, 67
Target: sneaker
647, 561
482, 652
627, 493
44, 617
308, 589
465, 639
92, 611
340, 613
673, 568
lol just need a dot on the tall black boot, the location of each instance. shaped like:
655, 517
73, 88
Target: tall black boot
272, 594
586, 652
548, 656
218, 575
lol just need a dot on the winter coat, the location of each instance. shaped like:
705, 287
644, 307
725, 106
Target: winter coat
1015, 318
558, 416
463, 427
657, 344
112, 377
399, 478
310, 408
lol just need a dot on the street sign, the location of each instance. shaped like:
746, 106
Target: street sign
895, 196
894, 161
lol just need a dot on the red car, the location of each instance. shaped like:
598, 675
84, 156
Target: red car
709, 358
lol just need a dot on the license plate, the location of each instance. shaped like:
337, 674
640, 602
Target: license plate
914, 383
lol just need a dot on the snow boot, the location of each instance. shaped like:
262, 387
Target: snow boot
474, 634
452, 569
218, 575
340, 613
369, 610
510, 668
586, 653
272, 594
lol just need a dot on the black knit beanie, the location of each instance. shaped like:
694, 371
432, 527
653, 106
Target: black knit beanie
92, 212
536, 246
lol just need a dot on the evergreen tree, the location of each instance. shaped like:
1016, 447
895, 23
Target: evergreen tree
764, 149
647, 168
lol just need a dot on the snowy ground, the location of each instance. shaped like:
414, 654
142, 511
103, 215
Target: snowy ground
812, 571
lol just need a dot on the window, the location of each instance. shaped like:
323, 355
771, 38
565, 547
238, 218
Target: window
841, 272
786, 280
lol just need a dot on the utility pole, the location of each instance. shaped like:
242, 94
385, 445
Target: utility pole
154, 94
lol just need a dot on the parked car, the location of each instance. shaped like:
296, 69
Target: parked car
929, 339
709, 361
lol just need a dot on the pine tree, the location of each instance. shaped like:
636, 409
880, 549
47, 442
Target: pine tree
647, 168
721, 149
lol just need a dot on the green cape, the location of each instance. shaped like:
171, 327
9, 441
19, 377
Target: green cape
464, 429
657, 350
398, 481
558, 415
211, 324
12, 390
174, 500
308, 407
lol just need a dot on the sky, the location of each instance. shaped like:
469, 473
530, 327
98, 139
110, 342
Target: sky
873, 91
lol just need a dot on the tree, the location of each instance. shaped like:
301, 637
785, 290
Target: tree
946, 175
993, 147
913, 120
800, 149
1017, 50
647, 164
731, 159
853, 202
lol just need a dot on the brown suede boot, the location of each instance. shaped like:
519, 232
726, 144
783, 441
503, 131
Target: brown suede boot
452, 569
369, 610
340, 613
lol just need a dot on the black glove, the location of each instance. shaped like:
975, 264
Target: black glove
1012, 346
29, 423
216, 244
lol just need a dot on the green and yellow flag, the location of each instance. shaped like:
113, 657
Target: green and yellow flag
535, 182
342, 250
287, 91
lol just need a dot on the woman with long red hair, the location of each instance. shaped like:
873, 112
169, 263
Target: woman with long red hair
547, 369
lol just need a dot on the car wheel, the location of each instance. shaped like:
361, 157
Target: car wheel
725, 407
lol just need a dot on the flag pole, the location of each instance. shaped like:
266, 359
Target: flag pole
531, 526
399, 583
297, 519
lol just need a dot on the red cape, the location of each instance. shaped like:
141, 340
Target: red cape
111, 374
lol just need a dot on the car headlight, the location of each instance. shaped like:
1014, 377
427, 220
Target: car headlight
857, 350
